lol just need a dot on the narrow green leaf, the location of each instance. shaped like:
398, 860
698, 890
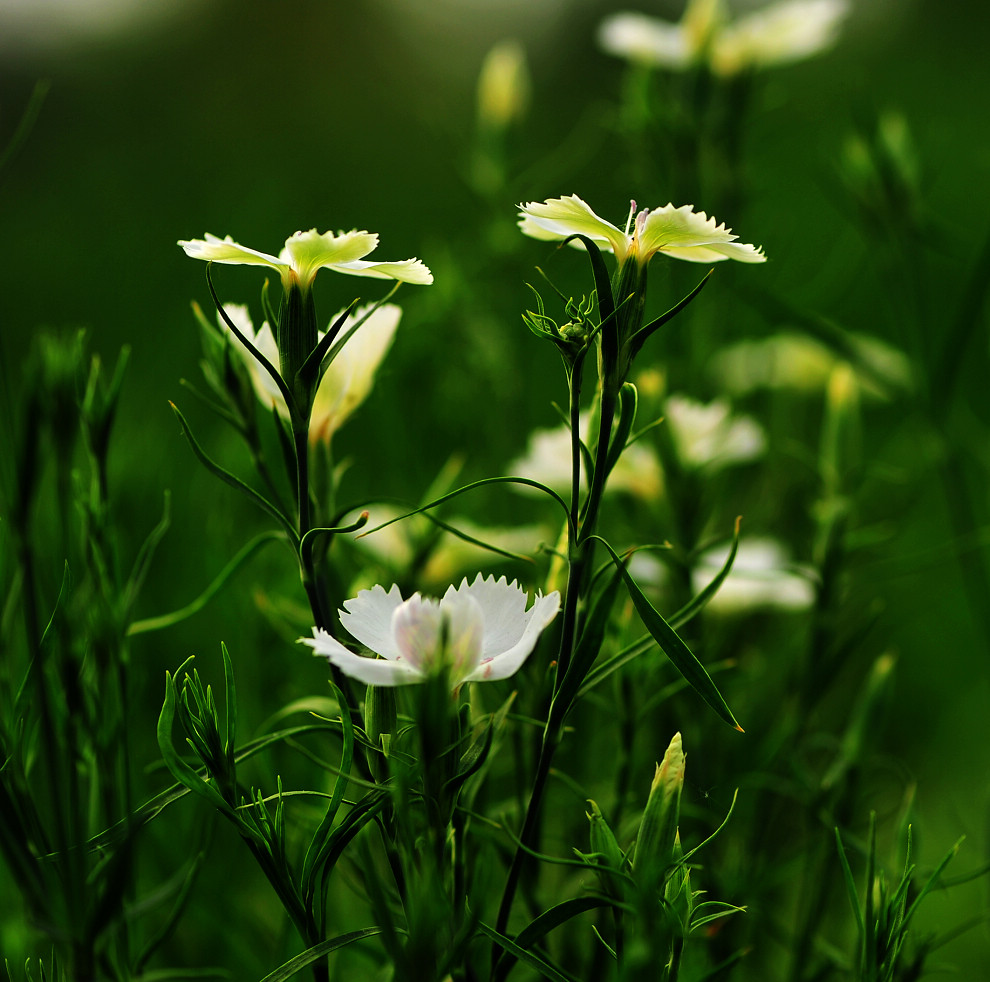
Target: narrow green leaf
553, 918
628, 402
235, 330
235, 482
321, 838
850, 882
63, 592
317, 952
933, 880
545, 968
694, 607
178, 768
672, 646
638, 339
525, 481
589, 645
194, 606
142, 562
603, 283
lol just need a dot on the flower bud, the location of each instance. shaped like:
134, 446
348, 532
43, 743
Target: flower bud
605, 849
503, 86
656, 843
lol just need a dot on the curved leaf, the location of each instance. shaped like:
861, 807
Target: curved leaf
672, 646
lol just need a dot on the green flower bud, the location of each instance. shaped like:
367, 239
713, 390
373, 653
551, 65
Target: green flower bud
657, 841
605, 849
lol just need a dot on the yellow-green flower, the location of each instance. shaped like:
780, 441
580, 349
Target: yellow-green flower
305, 253
680, 232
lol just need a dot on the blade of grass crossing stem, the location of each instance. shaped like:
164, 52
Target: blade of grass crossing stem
311, 955
548, 971
672, 646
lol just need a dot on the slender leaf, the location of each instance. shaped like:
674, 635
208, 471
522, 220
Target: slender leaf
547, 921
672, 646
235, 482
545, 968
194, 606
317, 952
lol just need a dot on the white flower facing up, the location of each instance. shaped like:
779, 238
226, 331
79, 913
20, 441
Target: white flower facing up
477, 632
776, 34
305, 253
347, 380
680, 232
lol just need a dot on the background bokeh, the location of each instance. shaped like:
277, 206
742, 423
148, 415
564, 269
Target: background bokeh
168, 120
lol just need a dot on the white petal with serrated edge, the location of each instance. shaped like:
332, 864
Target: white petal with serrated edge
570, 215
368, 618
226, 250
503, 606
406, 270
309, 251
507, 663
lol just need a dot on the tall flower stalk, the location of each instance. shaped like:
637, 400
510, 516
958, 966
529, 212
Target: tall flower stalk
293, 368
617, 336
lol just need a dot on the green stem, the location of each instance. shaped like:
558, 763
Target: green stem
580, 554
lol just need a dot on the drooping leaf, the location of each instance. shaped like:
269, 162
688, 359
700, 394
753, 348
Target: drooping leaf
672, 646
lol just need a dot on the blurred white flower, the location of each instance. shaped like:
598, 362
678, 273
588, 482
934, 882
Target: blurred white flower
477, 632
778, 33
305, 253
679, 232
347, 380
795, 361
761, 577
707, 435
548, 460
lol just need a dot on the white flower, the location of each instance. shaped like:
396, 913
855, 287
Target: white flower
548, 460
708, 436
478, 632
679, 232
801, 363
761, 577
781, 32
305, 253
346, 382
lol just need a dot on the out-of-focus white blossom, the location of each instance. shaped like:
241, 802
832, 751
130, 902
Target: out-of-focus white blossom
503, 86
548, 460
762, 576
772, 35
708, 436
798, 362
